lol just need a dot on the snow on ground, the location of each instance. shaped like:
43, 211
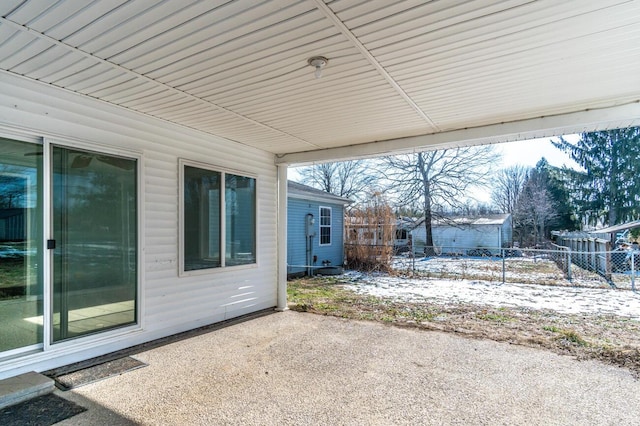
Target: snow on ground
560, 298
525, 270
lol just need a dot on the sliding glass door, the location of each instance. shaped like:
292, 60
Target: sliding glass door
88, 283
94, 219
20, 245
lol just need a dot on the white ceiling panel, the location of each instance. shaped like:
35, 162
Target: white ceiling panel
75, 22
397, 68
39, 61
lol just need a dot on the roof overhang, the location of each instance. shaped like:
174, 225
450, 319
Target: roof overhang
535, 128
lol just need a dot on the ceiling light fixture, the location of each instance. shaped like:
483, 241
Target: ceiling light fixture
318, 62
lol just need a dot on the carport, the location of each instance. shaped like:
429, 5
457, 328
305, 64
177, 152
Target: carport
264, 85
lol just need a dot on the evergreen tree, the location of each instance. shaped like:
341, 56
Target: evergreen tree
605, 191
556, 186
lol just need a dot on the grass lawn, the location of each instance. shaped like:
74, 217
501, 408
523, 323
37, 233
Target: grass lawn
611, 339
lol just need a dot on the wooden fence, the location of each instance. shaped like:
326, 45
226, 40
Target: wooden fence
592, 254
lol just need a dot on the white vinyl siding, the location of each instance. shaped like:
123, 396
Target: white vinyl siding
169, 304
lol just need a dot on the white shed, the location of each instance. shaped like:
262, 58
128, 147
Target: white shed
468, 235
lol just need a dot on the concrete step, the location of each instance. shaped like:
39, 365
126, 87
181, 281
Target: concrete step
15, 390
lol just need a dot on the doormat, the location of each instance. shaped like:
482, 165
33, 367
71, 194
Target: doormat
43, 410
97, 372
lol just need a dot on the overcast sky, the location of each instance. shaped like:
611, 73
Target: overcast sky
528, 153
525, 153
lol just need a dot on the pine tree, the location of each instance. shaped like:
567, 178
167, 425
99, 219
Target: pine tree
605, 192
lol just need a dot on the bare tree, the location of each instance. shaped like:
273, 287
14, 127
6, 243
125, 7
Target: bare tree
12, 187
534, 209
349, 179
508, 186
438, 179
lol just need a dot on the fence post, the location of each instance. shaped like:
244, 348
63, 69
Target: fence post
633, 270
413, 259
503, 265
569, 264
608, 271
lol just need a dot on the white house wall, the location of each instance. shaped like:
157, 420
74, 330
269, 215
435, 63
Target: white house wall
168, 303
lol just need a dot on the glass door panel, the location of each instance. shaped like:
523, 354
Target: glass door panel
20, 245
94, 219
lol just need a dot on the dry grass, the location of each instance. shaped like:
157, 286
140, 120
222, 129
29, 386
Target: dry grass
610, 339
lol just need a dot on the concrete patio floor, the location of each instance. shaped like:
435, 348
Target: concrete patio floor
296, 368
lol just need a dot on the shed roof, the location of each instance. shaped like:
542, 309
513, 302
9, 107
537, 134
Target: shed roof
402, 74
490, 219
617, 228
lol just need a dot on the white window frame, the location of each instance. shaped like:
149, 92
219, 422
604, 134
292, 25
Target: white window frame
320, 225
182, 163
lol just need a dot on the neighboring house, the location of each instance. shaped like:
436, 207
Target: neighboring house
315, 229
468, 235
404, 239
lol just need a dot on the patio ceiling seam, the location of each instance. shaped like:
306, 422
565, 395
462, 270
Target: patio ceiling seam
337, 22
128, 71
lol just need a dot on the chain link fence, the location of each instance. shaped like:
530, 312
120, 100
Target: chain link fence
549, 266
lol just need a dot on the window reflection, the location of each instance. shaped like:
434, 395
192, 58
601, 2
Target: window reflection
207, 210
20, 244
95, 228
240, 193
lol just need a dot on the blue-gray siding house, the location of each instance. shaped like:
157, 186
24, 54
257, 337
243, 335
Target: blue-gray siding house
315, 229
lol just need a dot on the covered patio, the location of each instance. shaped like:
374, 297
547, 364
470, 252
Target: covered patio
293, 368
239, 91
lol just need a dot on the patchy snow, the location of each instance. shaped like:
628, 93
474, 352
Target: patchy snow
562, 299
537, 269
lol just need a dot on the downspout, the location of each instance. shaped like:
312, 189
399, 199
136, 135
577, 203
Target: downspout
309, 233
308, 252
282, 239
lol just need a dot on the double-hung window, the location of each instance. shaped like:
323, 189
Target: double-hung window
218, 218
325, 226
